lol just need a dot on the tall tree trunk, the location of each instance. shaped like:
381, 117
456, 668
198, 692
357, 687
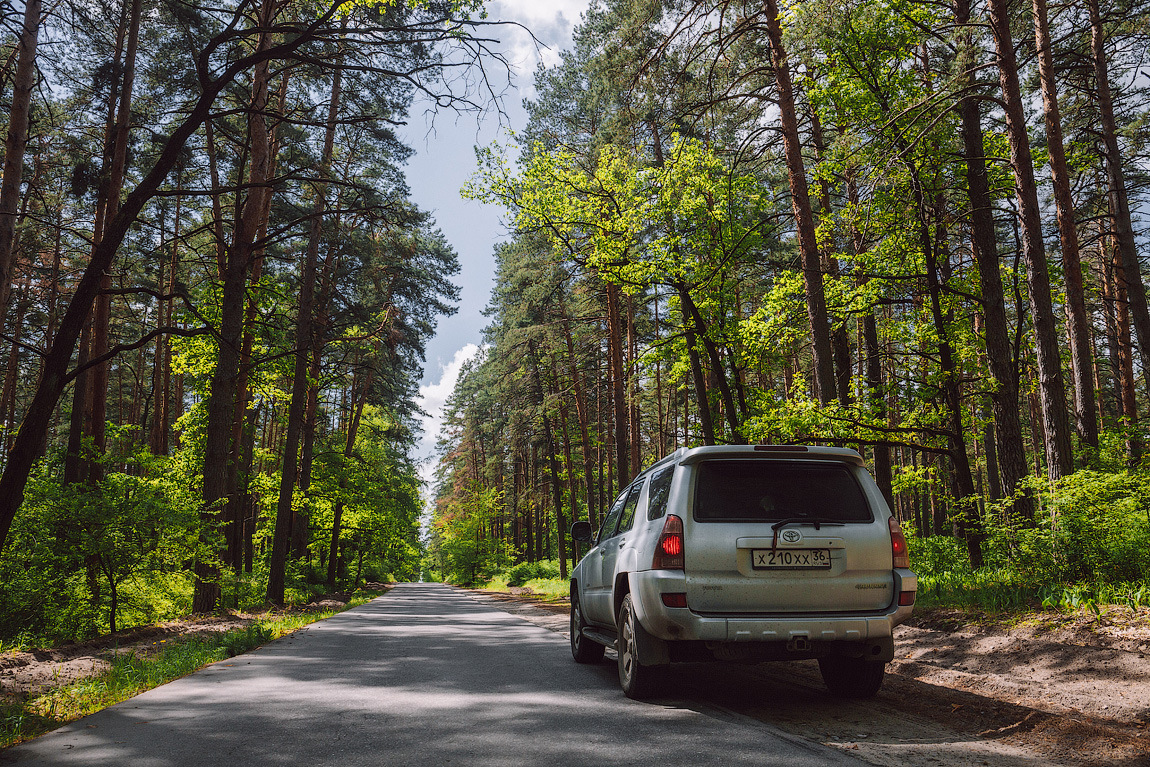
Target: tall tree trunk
840, 344
1060, 459
357, 403
689, 331
1124, 352
101, 319
883, 474
1131, 274
19, 112
218, 463
717, 366
999, 353
1081, 356
303, 345
12, 372
634, 440
804, 218
553, 466
618, 385
580, 414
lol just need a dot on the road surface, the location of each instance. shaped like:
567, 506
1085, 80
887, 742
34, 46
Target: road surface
424, 675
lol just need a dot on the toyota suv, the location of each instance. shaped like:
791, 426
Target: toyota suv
745, 553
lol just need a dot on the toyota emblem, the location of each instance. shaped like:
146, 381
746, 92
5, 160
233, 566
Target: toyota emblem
791, 536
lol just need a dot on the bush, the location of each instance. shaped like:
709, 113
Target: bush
546, 569
1089, 545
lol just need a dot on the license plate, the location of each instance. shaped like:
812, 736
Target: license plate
791, 559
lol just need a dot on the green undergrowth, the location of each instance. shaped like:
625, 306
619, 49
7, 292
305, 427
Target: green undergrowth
549, 589
541, 577
131, 673
995, 592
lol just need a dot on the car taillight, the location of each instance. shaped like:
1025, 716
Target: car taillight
669, 551
898, 548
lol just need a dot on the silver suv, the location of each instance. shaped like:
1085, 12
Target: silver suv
745, 553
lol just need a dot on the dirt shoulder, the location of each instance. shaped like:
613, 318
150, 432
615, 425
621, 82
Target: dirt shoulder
25, 675
1048, 690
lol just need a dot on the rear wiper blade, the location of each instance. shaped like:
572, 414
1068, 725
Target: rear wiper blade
818, 522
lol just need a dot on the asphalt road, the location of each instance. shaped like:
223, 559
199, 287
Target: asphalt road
424, 675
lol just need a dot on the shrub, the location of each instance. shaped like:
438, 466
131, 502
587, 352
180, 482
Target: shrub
526, 571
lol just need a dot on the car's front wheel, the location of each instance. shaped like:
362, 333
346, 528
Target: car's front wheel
583, 650
638, 681
852, 677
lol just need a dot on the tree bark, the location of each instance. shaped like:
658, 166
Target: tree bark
218, 456
1000, 355
1059, 457
17, 140
357, 404
1131, 274
580, 414
1081, 356
303, 346
618, 385
705, 423
804, 218
101, 318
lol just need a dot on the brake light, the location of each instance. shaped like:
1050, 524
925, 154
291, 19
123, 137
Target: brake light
898, 549
669, 551
678, 599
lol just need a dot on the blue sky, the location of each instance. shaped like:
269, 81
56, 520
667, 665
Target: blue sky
445, 160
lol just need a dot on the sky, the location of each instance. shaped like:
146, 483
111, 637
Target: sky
444, 161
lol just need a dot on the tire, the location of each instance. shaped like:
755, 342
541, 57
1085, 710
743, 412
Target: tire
852, 677
583, 650
638, 681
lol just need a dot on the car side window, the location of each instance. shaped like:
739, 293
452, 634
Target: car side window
608, 528
659, 493
628, 517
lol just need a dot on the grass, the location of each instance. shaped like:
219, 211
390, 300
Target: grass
993, 591
130, 674
550, 589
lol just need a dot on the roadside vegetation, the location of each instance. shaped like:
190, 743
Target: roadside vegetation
135, 670
538, 579
830, 223
215, 295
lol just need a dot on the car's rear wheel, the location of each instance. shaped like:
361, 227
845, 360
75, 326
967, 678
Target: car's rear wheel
583, 650
852, 677
638, 681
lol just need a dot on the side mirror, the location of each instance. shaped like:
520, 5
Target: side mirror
581, 531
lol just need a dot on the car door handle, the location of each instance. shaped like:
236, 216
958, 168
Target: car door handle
621, 542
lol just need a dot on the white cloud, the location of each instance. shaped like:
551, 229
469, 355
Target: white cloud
550, 21
432, 398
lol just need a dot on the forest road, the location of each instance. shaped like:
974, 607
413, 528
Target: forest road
424, 675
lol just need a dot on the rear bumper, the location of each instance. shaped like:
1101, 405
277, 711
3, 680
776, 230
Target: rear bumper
681, 623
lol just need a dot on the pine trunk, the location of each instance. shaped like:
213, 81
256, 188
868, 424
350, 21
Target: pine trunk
804, 218
1081, 356
19, 112
1060, 459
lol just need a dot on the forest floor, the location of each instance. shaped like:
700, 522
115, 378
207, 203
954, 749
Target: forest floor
965, 689
25, 675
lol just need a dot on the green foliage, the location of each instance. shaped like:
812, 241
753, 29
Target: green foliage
1089, 547
519, 574
84, 560
465, 551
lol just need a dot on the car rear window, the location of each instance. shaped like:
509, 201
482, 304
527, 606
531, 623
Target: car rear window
738, 491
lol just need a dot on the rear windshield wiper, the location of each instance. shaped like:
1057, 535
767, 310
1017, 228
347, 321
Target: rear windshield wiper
818, 522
